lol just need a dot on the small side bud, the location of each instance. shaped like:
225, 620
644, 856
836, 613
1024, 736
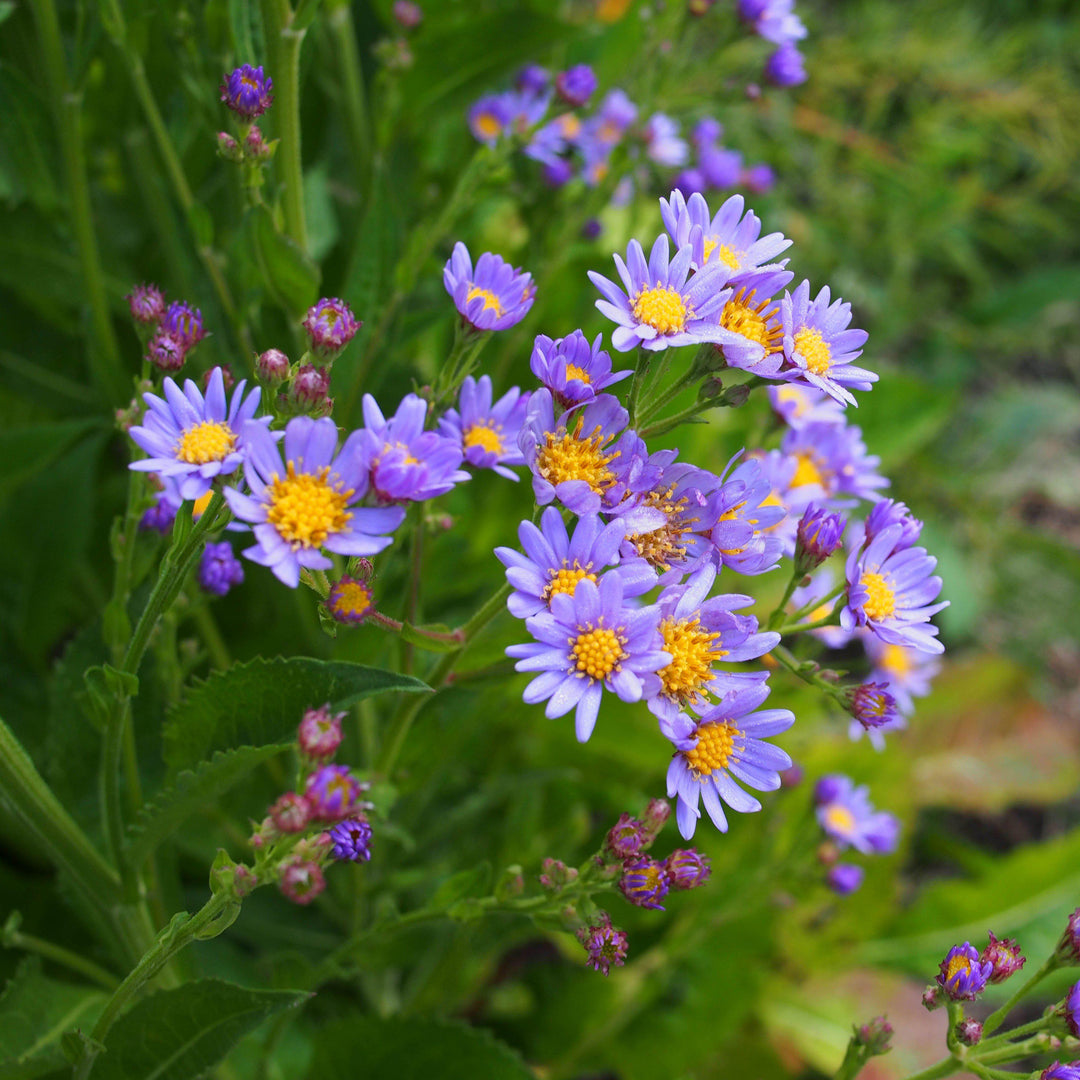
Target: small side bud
875, 1036
931, 999
272, 367
969, 1032
228, 147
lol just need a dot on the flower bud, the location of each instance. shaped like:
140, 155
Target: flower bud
301, 881
819, 534
557, 875
969, 1032
147, 304
932, 999
844, 878
1005, 955
310, 390
875, 1036
330, 325
291, 813
1068, 948
603, 944
319, 734
408, 14
626, 838
655, 817
687, 869
228, 147
272, 367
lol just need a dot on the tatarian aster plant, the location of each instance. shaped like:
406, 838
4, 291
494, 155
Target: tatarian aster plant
891, 593
571, 369
554, 561
660, 308
494, 297
586, 643
820, 347
194, 439
487, 433
246, 91
724, 745
697, 632
308, 501
405, 462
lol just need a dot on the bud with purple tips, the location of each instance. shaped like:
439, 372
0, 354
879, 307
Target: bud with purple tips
655, 817
147, 304
319, 734
626, 838
644, 882
820, 533
687, 869
576, 85
272, 367
351, 840
1072, 1010
350, 601
604, 944
310, 390
184, 323
969, 1032
872, 705
166, 351
759, 178
332, 792
246, 91
330, 325
1005, 955
875, 1036
228, 147
931, 998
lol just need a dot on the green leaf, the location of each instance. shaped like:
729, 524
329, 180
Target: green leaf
192, 791
290, 273
26, 451
179, 1034
370, 1048
464, 883
261, 702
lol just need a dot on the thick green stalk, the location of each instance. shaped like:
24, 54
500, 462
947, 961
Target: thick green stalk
942, 1068
105, 361
996, 1018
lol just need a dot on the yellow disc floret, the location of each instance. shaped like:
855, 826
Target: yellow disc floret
957, 965
815, 350
483, 435
571, 457
351, 599
809, 470
597, 653
663, 546
692, 653
664, 309
566, 581
209, 441
881, 602
742, 316
714, 749
491, 301
840, 819
305, 508
574, 372
725, 255
489, 125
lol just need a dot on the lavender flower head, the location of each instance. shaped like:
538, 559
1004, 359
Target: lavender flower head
349, 601
494, 297
846, 815
1072, 1010
663, 143
166, 351
489, 117
604, 945
330, 326
147, 304
831, 462
219, 569
576, 85
351, 840
749, 512
963, 974
844, 878
889, 512
687, 869
873, 706
571, 369
488, 433
799, 405
785, 67
332, 791
184, 323
644, 882
246, 91
1061, 1070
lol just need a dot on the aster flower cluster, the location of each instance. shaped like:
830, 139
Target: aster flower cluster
848, 820
246, 92
716, 167
168, 331
777, 23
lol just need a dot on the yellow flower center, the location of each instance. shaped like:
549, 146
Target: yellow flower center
488, 125
569, 126
570, 457
566, 581
841, 819
957, 965
208, 441
896, 660
306, 509
485, 436
608, 132
808, 471
662, 546
725, 254
598, 652
740, 316
881, 603
715, 746
692, 653
815, 350
200, 505
491, 301
664, 309
575, 372
784, 394
351, 598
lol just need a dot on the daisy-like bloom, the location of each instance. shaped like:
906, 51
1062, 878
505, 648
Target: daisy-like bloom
616, 113
495, 296
818, 535
319, 734
687, 869
332, 792
844, 878
774, 20
291, 813
751, 319
194, 439
891, 592
730, 237
405, 462
1005, 955
748, 512
490, 117
302, 880
832, 462
308, 501
963, 975
725, 743
604, 945
721, 166
819, 346
555, 562
147, 304
759, 178
697, 633
184, 323
659, 307
873, 706
330, 326
349, 601
352, 840
799, 405
588, 642
644, 882
246, 91
219, 569
846, 815
905, 673
487, 433
662, 141
584, 458
576, 85
571, 369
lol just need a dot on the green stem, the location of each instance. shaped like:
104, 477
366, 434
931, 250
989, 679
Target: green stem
59, 955
996, 1018
340, 21
105, 361
641, 370
655, 404
798, 627
1004, 1040
412, 601
662, 427
1014, 1051
777, 616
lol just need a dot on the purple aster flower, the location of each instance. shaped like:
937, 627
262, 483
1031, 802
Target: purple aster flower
890, 512
872, 705
616, 113
160, 516
166, 351
785, 66
819, 533
687, 869
724, 745
246, 91
184, 323
330, 326
846, 815
844, 878
662, 142
349, 601
748, 513
774, 20
490, 117
532, 79
352, 840
319, 734
721, 166
627, 838
891, 592
193, 439
219, 569
832, 462
1061, 1070
554, 562
800, 405
576, 85
291, 813
487, 433
147, 304
302, 880
706, 132
1005, 956
604, 944
1068, 947
905, 673
571, 369
963, 975
659, 307
558, 172
495, 297
332, 792
759, 178
308, 502
644, 882
819, 346
588, 642
697, 633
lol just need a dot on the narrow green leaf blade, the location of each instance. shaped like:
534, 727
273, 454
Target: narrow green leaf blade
290, 272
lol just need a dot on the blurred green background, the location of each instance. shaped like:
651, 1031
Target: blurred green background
927, 171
